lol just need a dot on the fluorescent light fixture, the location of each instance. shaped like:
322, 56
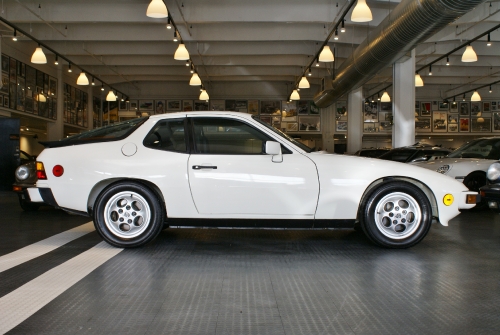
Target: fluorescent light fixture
157, 9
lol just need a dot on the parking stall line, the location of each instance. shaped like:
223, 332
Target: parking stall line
44, 246
20, 304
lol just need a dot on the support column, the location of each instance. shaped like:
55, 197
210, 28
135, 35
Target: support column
355, 120
90, 107
55, 130
403, 130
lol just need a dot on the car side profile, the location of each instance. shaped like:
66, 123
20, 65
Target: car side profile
228, 169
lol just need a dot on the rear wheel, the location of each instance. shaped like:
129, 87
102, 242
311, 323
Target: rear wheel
128, 215
396, 214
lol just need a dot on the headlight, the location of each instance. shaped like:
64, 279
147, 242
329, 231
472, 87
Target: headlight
493, 173
443, 169
22, 172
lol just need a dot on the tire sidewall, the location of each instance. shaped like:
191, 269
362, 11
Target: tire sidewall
370, 227
156, 219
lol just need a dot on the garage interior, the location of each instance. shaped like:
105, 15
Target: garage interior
58, 277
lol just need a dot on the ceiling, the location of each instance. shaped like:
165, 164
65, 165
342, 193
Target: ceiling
241, 49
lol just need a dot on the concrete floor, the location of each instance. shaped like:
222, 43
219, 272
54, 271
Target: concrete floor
194, 281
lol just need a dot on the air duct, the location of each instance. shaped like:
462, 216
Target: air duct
410, 23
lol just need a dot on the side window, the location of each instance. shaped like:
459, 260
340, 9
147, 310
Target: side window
221, 136
167, 135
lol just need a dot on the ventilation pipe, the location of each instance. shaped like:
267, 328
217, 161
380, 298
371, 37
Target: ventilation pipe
410, 23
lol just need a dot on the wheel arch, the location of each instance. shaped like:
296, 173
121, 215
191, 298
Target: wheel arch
426, 189
103, 184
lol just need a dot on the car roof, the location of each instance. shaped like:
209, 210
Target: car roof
202, 113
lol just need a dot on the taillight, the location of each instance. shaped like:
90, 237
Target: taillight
58, 170
40, 171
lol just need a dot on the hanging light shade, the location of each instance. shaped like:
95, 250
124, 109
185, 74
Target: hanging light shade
111, 96
82, 79
385, 97
326, 55
304, 83
157, 9
475, 97
195, 80
38, 57
41, 98
418, 81
295, 95
469, 55
181, 53
204, 95
361, 12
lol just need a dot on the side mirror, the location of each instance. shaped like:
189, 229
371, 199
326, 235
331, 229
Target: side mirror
274, 148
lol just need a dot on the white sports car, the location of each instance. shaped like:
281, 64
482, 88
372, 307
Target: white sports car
228, 169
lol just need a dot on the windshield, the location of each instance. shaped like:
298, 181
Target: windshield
108, 132
486, 148
283, 135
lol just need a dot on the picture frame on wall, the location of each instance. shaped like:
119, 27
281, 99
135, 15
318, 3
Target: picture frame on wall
370, 127
312, 123
385, 126
341, 125
133, 105
452, 118
464, 108
439, 122
386, 106
201, 105
494, 106
341, 108
187, 105
425, 108
122, 105
486, 106
453, 127
313, 109
454, 107
174, 105
496, 122
444, 106
146, 105
292, 126
480, 125
270, 107
303, 107
253, 107
435, 105
371, 112
475, 108
423, 124
217, 105
160, 107
464, 125
289, 112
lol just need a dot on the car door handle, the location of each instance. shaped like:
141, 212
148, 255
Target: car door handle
199, 167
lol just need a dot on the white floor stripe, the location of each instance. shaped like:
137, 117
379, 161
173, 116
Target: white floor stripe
44, 246
20, 304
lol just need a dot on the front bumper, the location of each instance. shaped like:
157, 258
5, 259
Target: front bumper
491, 194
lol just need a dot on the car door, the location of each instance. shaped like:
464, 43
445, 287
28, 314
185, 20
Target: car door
231, 176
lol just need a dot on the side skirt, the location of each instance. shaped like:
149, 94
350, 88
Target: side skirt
260, 223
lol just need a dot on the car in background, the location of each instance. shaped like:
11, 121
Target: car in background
415, 153
26, 177
469, 163
25, 157
371, 152
185, 169
490, 193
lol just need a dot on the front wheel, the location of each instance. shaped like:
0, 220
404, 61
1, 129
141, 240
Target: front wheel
128, 215
396, 214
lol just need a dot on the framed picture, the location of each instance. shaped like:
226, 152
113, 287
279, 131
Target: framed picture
371, 112
425, 109
435, 105
486, 106
423, 124
160, 107
341, 108
217, 105
122, 105
292, 126
454, 107
480, 124
385, 126
187, 105
475, 108
464, 125
200, 105
386, 106
444, 106
133, 105
303, 107
464, 108
270, 107
311, 123
370, 127
439, 121
241, 106
453, 127
496, 121
452, 118
313, 109
289, 112
146, 105
341, 125
253, 107
173, 105
494, 106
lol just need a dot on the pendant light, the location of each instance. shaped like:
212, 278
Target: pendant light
93, 82
69, 68
169, 25
181, 53
82, 79
385, 97
14, 38
304, 83
56, 62
475, 97
295, 95
418, 81
41, 97
38, 56
204, 95
469, 55
361, 12
157, 9
111, 96
326, 55
195, 80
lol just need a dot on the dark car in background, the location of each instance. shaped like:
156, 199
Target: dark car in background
25, 177
415, 153
490, 193
371, 152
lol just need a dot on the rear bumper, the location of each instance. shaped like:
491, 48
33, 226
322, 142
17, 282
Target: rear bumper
42, 195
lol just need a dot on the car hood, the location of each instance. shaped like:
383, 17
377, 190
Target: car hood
459, 167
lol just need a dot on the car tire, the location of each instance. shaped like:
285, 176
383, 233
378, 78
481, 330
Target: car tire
396, 214
128, 214
28, 206
473, 181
